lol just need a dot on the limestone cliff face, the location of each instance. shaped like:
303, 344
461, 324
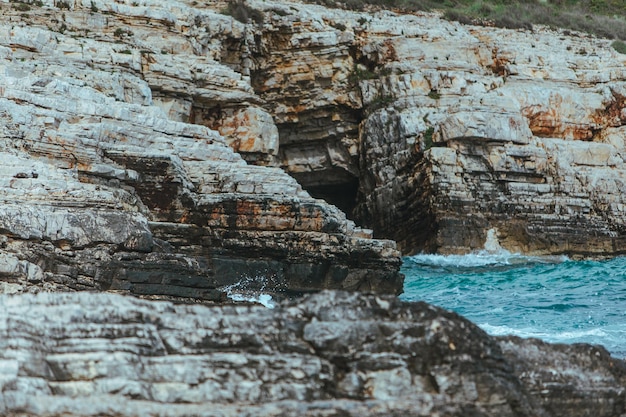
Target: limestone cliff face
487, 129
433, 133
107, 186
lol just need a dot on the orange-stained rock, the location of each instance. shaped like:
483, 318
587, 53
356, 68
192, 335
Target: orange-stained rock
108, 187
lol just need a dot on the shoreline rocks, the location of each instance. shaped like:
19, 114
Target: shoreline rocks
142, 144
326, 354
105, 191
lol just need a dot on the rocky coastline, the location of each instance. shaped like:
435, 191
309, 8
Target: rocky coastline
158, 157
328, 354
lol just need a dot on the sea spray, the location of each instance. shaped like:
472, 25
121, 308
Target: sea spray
252, 290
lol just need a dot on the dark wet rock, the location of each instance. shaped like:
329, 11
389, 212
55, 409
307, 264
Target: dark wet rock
328, 354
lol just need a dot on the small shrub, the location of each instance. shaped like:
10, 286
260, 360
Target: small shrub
359, 74
455, 16
21, 7
428, 138
94, 8
279, 12
381, 101
120, 33
126, 52
507, 22
339, 26
240, 11
434, 95
61, 4
619, 46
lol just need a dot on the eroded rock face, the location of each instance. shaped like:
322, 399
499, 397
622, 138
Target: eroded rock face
515, 132
105, 186
332, 353
448, 131
429, 132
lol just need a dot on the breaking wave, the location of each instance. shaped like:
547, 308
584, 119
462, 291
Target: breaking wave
552, 298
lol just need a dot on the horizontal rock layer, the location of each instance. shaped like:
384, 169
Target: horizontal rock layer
328, 354
486, 129
106, 186
433, 133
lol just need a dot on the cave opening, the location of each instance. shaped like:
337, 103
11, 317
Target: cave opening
342, 195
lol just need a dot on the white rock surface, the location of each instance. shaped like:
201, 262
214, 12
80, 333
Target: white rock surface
107, 186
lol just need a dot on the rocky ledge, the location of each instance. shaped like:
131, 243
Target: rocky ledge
104, 188
329, 354
436, 134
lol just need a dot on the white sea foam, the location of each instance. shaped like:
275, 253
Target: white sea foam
263, 299
242, 291
564, 336
609, 337
482, 258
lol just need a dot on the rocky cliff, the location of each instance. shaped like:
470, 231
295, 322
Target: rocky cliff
328, 354
435, 133
515, 132
116, 116
107, 186
144, 146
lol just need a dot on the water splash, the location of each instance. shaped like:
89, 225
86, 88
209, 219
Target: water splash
483, 258
250, 289
492, 245
492, 254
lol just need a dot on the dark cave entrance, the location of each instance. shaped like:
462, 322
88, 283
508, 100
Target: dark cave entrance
342, 195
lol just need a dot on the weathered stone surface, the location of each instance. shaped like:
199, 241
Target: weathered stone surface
328, 354
534, 119
351, 104
553, 377
485, 129
106, 186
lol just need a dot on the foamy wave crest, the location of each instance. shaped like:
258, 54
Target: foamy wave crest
564, 337
610, 338
482, 258
251, 290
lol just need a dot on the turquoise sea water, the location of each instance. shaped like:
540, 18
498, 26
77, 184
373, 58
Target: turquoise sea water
554, 299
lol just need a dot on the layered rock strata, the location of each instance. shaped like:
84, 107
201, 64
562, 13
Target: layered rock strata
445, 132
430, 132
328, 354
105, 188
516, 132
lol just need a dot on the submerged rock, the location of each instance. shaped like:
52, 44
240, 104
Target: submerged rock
328, 354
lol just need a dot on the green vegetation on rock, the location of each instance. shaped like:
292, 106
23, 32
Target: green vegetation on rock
604, 18
619, 46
